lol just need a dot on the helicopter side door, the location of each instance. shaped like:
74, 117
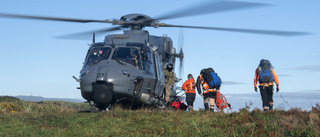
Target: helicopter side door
149, 70
159, 86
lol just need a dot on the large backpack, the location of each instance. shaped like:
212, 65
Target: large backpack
221, 101
265, 71
212, 78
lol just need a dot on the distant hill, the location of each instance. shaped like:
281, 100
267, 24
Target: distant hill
8, 99
39, 98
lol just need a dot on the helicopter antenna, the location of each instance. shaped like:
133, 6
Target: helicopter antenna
94, 37
148, 36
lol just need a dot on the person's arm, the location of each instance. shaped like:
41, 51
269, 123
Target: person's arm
256, 77
173, 78
184, 85
276, 80
198, 86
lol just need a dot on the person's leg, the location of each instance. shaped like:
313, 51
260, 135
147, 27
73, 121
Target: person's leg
190, 97
205, 101
168, 91
264, 97
211, 100
270, 96
212, 96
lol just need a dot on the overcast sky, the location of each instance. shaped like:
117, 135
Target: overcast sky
34, 62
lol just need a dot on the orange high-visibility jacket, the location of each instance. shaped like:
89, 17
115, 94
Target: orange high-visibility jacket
205, 86
189, 86
256, 79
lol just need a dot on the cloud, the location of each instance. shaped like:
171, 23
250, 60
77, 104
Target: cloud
312, 91
283, 75
231, 83
309, 68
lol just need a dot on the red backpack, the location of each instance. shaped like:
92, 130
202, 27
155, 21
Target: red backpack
178, 105
221, 101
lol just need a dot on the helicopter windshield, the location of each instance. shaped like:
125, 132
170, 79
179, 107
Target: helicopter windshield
98, 54
128, 55
147, 61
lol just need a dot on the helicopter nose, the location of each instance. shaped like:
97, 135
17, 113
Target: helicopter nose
103, 93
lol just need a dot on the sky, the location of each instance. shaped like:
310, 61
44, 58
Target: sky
34, 62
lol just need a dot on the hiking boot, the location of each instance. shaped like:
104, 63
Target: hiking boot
271, 107
212, 109
206, 106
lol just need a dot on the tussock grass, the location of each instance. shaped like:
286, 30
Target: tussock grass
79, 119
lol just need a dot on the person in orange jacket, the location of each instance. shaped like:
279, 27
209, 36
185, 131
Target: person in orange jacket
208, 94
189, 87
266, 76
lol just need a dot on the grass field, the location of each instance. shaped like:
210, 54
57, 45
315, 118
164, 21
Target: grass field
21, 118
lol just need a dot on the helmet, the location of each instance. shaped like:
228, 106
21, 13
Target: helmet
170, 67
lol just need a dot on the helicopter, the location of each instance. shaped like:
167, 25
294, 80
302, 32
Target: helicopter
130, 67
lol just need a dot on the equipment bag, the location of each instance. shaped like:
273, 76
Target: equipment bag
212, 78
265, 71
221, 101
178, 105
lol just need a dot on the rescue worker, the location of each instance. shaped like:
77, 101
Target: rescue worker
266, 88
208, 94
169, 80
189, 86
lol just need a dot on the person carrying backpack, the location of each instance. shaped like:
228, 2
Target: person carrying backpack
208, 93
189, 87
266, 76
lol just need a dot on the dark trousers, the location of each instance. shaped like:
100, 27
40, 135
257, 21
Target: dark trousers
190, 97
266, 95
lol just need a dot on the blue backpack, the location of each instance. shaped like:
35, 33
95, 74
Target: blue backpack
212, 78
265, 71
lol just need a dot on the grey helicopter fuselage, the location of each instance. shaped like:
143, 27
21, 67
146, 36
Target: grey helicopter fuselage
126, 67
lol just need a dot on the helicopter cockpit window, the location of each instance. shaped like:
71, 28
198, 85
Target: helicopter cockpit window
128, 55
98, 54
146, 61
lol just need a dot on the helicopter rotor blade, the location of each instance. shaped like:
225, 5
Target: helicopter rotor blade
88, 34
54, 18
181, 65
180, 46
213, 6
253, 31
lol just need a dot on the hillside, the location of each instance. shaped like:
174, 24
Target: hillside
39, 98
56, 118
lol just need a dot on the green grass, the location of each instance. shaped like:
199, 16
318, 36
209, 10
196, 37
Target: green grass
73, 119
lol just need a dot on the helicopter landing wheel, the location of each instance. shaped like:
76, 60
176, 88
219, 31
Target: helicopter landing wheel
104, 108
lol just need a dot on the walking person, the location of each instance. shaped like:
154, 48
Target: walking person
266, 76
189, 87
208, 94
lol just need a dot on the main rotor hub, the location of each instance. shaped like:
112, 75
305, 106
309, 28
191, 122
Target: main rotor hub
135, 21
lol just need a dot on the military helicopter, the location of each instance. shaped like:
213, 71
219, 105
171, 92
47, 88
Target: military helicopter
130, 67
